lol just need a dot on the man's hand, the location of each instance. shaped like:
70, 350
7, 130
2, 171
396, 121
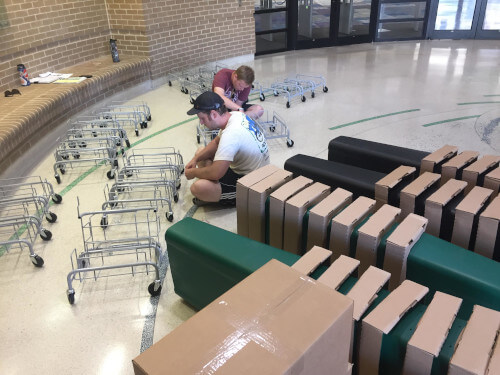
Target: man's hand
192, 164
190, 172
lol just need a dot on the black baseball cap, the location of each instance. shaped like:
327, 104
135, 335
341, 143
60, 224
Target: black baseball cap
206, 102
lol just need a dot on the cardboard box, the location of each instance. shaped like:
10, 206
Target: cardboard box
344, 223
382, 320
475, 173
311, 260
277, 208
387, 188
476, 343
454, 167
338, 272
370, 234
492, 181
398, 247
494, 366
276, 321
242, 187
434, 161
257, 196
467, 217
295, 209
430, 334
439, 208
488, 231
321, 215
412, 198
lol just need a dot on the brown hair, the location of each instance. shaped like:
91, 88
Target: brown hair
246, 74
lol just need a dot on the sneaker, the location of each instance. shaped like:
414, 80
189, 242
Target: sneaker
199, 202
228, 202
222, 202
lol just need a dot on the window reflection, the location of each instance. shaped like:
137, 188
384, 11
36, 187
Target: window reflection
455, 14
492, 15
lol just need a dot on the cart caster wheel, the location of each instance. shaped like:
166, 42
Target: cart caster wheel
129, 173
325, 89
262, 97
152, 291
56, 198
149, 118
120, 190
288, 104
76, 156
127, 142
110, 175
176, 198
51, 217
82, 145
170, 83
62, 170
312, 94
94, 134
144, 125
191, 100
170, 216
45, 234
275, 93
198, 138
182, 171
71, 297
178, 186
65, 157
137, 132
58, 179
104, 222
72, 145
272, 128
115, 162
289, 143
303, 99
37, 261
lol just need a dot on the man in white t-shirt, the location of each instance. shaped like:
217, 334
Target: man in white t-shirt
239, 149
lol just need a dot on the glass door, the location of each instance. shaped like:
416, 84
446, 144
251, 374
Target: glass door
313, 23
489, 20
356, 18
271, 26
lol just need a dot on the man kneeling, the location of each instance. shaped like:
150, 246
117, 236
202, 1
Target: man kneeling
240, 148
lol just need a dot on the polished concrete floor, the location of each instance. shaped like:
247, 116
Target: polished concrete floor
413, 94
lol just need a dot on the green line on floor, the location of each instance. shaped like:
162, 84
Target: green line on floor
372, 118
488, 96
477, 103
450, 120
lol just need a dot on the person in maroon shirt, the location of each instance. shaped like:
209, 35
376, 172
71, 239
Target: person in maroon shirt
233, 86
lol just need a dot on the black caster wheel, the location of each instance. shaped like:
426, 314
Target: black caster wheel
176, 198
56, 198
72, 144
325, 89
303, 99
170, 216
312, 94
170, 83
120, 189
127, 142
45, 234
65, 157
144, 125
37, 261
94, 134
62, 170
137, 132
262, 97
152, 291
289, 143
76, 156
275, 93
272, 128
58, 179
149, 118
198, 138
110, 174
51, 217
71, 297
104, 222
288, 104
129, 173
191, 100
82, 144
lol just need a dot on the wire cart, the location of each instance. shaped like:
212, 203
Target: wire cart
275, 128
308, 83
94, 122
129, 244
127, 114
87, 130
205, 134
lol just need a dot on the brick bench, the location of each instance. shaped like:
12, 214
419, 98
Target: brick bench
41, 107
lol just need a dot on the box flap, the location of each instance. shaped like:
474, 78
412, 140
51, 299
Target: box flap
434, 325
421, 183
476, 343
257, 175
461, 159
487, 161
473, 201
445, 152
364, 292
379, 222
408, 231
328, 206
388, 313
355, 211
494, 366
291, 188
311, 260
338, 271
493, 209
303, 198
494, 174
446, 192
271, 181
393, 178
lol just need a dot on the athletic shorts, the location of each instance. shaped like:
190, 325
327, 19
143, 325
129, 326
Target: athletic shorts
228, 185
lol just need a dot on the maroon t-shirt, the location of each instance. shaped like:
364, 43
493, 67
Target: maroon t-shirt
223, 80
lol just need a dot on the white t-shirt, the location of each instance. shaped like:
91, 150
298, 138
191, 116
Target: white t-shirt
243, 144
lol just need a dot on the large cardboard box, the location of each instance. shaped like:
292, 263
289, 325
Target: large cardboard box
338, 272
488, 231
344, 223
295, 209
257, 196
242, 187
412, 198
454, 167
387, 188
474, 174
370, 234
276, 321
382, 320
399, 245
467, 217
430, 334
321, 215
476, 343
277, 201
439, 208
492, 181
434, 161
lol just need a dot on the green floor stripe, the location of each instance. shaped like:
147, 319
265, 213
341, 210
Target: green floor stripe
488, 96
373, 118
477, 103
450, 120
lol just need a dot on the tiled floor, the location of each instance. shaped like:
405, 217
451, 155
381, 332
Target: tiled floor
413, 94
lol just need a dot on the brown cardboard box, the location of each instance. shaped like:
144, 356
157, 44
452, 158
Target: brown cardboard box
488, 231
467, 216
399, 245
311, 260
438, 207
387, 188
474, 174
492, 181
430, 334
295, 209
454, 167
382, 320
277, 208
476, 343
343, 224
370, 234
433, 162
257, 196
321, 215
276, 321
494, 366
338, 272
412, 197
242, 195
